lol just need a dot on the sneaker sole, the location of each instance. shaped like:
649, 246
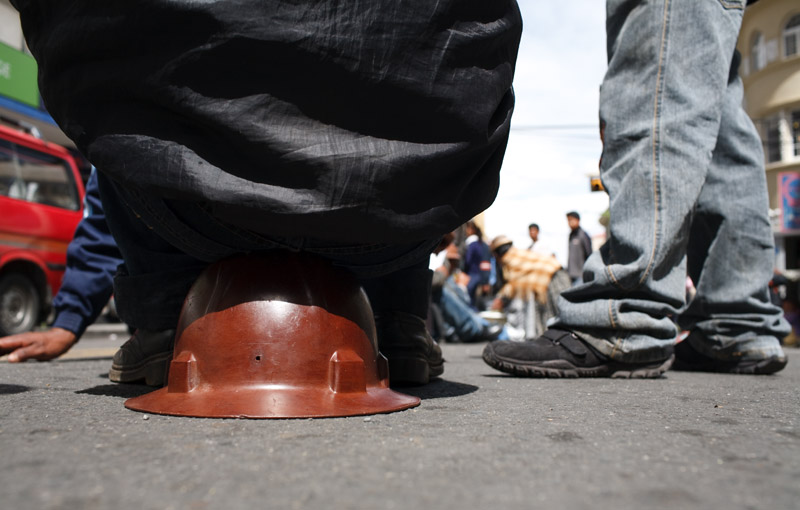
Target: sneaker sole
412, 371
565, 369
760, 367
152, 370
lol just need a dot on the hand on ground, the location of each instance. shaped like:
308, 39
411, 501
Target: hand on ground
497, 304
38, 345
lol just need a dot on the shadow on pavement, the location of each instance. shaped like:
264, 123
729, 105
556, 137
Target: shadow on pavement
118, 390
439, 388
11, 389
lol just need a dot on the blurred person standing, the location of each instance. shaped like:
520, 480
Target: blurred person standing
477, 265
533, 232
537, 244
579, 247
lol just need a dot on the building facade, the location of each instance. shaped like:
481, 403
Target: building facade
19, 94
770, 47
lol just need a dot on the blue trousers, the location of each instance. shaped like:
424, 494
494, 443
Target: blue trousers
683, 167
457, 312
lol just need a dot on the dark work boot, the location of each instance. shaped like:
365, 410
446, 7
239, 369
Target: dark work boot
414, 357
144, 358
400, 302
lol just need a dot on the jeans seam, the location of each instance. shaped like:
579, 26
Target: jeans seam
656, 144
612, 314
656, 160
615, 347
613, 277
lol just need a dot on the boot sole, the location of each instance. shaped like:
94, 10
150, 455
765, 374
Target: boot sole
565, 369
152, 370
413, 371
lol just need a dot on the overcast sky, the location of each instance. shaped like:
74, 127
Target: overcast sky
561, 63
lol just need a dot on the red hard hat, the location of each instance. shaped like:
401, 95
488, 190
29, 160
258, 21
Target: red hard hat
279, 335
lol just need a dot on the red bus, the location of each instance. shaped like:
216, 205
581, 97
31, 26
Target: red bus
41, 203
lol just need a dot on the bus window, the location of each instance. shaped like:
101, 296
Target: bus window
33, 176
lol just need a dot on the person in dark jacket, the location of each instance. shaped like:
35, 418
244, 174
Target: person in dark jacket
580, 247
236, 127
92, 260
477, 264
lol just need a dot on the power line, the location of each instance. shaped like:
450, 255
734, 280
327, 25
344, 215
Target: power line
553, 127
567, 136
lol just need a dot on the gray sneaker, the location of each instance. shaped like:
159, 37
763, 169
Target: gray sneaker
688, 359
144, 358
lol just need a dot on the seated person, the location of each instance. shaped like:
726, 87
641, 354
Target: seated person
456, 320
533, 282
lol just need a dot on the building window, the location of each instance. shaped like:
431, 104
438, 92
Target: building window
758, 52
796, 132
769, 129
791, 36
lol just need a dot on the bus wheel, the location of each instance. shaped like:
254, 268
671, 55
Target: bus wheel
19, 304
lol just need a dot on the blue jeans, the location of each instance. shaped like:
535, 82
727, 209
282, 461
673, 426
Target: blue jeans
457, 312
166, 244
684, 171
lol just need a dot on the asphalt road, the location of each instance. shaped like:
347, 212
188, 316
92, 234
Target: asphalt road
101, 340
478, 440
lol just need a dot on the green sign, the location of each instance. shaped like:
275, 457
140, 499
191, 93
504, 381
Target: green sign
18, 76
